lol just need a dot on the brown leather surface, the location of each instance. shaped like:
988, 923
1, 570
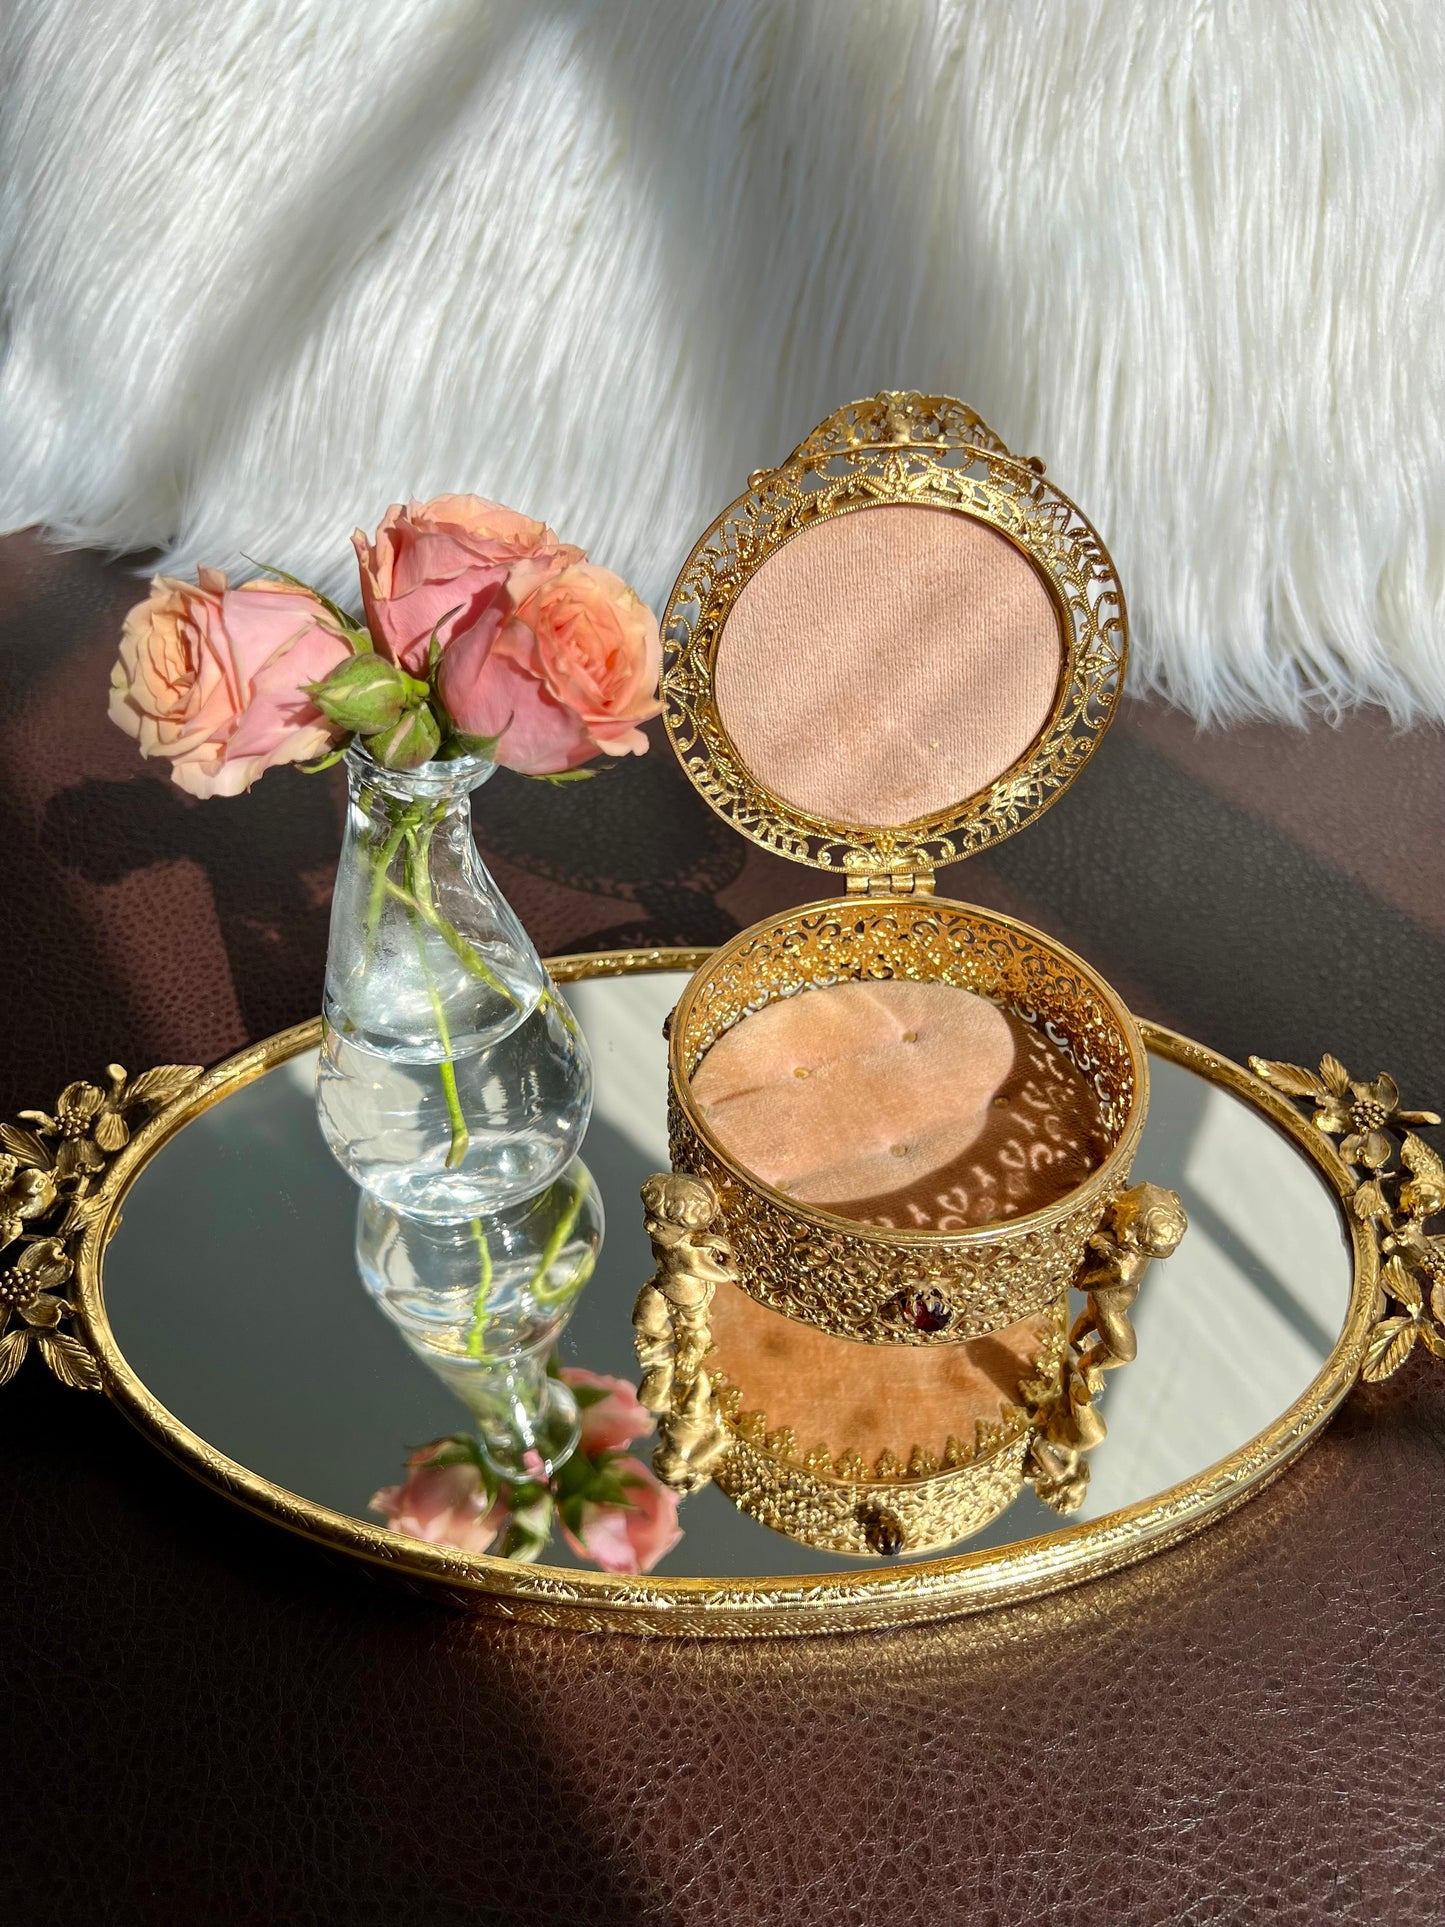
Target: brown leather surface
205, 1720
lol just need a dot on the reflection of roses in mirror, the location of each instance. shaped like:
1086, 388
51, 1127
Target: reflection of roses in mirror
612, 1414
444, 1499
625, 1522
610, 1506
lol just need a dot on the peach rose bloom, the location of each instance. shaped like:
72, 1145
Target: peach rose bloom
612, 1421
630, 1538
571, 675
213, 678
447, 561
444, 1504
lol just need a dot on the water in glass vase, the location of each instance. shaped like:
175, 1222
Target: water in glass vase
452, 1079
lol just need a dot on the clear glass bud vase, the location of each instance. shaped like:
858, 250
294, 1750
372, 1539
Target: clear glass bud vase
482, 1303
453, 1080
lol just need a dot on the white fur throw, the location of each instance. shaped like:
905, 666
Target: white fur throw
267, 265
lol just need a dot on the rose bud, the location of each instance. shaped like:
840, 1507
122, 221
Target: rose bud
365, 692
414, 739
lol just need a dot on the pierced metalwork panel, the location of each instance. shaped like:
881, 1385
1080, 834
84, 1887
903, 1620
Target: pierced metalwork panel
900, 417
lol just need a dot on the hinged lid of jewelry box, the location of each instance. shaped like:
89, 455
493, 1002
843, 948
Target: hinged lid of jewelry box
899, 646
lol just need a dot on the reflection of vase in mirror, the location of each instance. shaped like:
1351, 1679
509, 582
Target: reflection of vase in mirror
452, 1079
482, 1303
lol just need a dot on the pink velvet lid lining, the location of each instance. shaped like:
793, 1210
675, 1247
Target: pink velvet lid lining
888, 663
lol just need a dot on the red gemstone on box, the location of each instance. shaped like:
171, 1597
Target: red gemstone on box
927, 1311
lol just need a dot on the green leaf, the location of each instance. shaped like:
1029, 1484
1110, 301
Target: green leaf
458, 1448
565, 775
529, 1527
574, 1476
434, 647
348, 623
527, 1493
460, 744
606, 1487
327, 761
588, 1395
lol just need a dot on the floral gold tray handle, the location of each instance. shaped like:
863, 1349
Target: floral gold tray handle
50, 1168
1398, 1205
891, 1507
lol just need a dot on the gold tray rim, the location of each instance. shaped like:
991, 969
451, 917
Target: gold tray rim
876, 1597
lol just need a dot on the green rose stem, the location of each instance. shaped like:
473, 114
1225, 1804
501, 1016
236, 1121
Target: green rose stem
476, 1342
448, 932
379, 882
537, 1284
415, 830
461, 1137
561, 1232
421, 904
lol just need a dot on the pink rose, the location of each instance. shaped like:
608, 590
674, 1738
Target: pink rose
450, 561
446, 1505
214, 678
633, 1537
572, 674
610, 1422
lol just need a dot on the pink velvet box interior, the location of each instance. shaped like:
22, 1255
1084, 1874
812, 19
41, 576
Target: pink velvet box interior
913, 1105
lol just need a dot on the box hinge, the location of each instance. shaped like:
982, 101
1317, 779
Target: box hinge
898, 883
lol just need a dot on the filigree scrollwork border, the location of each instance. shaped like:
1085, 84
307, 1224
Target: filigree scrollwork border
992, 487
1399, 1205
897, 416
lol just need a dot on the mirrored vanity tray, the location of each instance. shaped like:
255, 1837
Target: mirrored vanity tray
215, 1287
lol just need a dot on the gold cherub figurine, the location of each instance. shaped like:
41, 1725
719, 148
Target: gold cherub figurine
671, 1328
1144, 1223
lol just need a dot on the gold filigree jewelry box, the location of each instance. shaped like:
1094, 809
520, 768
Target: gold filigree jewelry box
895, 649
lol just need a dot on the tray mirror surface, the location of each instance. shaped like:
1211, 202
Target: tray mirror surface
239, 1333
